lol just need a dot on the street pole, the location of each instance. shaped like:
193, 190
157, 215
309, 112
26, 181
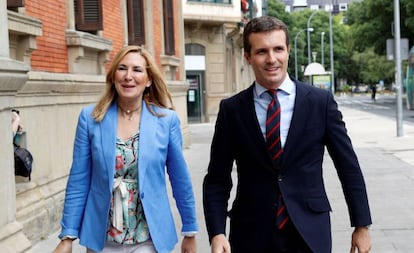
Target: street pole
397, 43
296, 54
322, 56
331, 53
308, 34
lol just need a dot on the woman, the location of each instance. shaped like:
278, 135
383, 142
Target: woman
116, 196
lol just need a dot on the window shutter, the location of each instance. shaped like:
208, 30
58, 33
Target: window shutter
88, 15
136, 28
168, 10
15, 3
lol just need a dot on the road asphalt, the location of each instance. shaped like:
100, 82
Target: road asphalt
387, 162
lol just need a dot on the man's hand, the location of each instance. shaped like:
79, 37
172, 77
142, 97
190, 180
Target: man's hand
220, 244
189, 245
361, 240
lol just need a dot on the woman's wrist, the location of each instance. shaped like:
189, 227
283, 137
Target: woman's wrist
189, 234
68, 238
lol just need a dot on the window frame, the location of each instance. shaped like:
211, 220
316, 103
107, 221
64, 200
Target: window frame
169, 32
15, 3
136, 22
88, 15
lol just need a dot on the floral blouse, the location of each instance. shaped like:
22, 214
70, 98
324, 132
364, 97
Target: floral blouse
127, 220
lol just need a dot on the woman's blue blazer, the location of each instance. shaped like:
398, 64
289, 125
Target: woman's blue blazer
89, 187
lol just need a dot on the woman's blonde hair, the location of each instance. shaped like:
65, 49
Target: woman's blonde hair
156, 94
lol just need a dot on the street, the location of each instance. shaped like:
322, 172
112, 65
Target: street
384, 105
387, 162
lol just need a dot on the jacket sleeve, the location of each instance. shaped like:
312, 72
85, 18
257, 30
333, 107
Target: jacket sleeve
79, 179
179, 175
217, 183
346, 163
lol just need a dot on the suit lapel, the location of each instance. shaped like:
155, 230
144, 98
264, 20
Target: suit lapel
257, 140
299, 119
247, 102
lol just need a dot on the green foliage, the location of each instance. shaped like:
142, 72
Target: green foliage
320, 23
345, 88
373, 67
359, 38
277, 9
371, 23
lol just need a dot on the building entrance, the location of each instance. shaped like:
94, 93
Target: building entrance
195, 97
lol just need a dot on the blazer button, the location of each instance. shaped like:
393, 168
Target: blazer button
279, 178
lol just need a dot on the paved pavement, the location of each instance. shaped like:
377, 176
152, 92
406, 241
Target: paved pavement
388, 165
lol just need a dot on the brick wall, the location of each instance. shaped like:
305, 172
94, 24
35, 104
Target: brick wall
51, 52
113, 26
158, 31
177, 38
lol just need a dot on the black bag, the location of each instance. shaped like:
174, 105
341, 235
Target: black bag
22, 162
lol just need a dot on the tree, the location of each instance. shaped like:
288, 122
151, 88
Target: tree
320, 23
276, 8
366, 25
373, 67
371, 23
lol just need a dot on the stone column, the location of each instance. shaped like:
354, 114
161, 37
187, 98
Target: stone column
13, 75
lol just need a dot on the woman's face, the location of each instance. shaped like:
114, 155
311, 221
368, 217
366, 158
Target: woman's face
131, 77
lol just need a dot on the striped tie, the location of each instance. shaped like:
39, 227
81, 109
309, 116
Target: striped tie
274, 147
273, 128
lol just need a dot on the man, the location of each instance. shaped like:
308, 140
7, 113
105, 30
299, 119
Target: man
280, 203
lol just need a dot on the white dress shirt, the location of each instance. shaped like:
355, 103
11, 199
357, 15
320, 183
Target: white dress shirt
286, 95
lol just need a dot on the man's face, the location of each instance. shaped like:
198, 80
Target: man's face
269, 57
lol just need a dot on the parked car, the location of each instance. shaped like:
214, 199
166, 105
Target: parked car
361, 89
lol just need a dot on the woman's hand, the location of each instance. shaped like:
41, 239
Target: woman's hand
189, 245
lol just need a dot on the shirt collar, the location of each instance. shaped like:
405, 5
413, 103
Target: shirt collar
287, 86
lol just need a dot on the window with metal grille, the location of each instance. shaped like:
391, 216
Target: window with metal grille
88, 15
168, 10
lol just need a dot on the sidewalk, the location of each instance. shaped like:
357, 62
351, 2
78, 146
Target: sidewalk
388, 165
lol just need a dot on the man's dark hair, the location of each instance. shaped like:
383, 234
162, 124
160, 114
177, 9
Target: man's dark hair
263, 24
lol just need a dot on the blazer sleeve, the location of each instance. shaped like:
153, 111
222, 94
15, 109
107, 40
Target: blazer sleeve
179, 175
79, 179
218, 183
348, 168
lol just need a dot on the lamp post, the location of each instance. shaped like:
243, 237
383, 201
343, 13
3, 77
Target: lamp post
397, 41
331, 53
309, 29
308, 34
322, 38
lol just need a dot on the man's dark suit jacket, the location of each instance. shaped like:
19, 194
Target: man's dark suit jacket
316, 124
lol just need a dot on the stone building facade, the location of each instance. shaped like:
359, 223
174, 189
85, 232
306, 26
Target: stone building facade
215, 67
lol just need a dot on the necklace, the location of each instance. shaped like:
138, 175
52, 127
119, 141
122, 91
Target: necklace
129, 112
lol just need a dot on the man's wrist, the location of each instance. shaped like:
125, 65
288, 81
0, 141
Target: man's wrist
366, 227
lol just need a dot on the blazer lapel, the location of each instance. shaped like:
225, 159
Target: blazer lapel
299, 119
247, 102
250, 121
108, 129
147, 130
